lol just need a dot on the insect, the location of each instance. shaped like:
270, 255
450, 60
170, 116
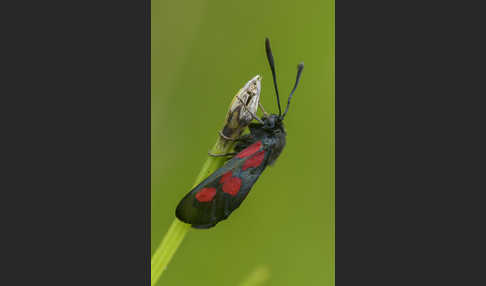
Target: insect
216, 197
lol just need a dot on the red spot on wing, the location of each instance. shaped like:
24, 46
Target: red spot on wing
231, 185
250, 150
225, 177
206, 195
254, 161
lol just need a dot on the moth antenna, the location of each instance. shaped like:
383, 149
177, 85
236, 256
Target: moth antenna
272, 67
300, 67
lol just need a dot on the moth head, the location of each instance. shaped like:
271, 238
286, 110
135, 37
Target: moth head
272, 122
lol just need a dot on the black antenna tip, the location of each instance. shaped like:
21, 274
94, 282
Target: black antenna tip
268, 50
300, 66
272, 67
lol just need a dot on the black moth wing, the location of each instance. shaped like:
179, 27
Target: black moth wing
207, 214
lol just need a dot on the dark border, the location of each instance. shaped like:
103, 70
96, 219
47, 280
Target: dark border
409, 157
76, 108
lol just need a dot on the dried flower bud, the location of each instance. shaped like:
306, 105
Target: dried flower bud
244, 103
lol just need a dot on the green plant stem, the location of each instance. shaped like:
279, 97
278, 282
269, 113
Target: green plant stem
178, 230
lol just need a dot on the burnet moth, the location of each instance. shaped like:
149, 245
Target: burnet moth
216, 197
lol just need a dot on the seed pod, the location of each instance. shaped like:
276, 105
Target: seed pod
244, 103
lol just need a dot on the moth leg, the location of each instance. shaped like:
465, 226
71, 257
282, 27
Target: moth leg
263, 110
251, 113
245, 137
226, 137
223, 154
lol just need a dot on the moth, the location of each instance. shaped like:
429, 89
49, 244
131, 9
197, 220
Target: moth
216, 197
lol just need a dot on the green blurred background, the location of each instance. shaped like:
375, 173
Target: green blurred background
203, 52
